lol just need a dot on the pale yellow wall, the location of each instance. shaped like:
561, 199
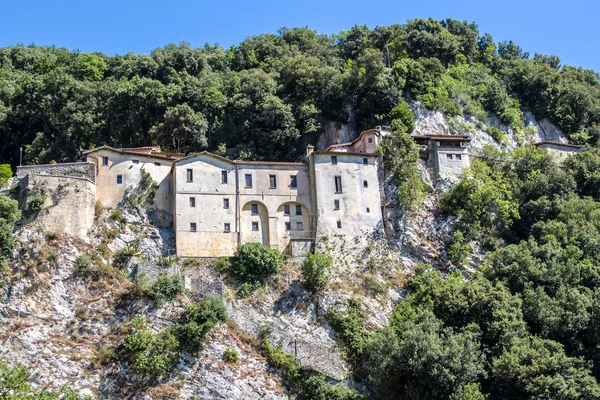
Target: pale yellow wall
109, 193
273, 199
210, 239
354, 199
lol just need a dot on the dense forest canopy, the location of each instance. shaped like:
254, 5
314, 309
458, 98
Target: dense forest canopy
270, 95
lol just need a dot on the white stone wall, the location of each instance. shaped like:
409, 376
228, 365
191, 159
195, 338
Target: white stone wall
209, 214
354, 200
110, 193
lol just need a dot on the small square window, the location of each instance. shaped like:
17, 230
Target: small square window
248, 180
293, 181
104, 160
334, 160
135, 161
459, 157
336, 204
157, 164
299, 226
192, 202
449, 156
370, 140
190, 175
365, 161
288, 226
254, 225
272, 181
223, 176
226, 203
227, 227
286, 209
119, 179
339, 224
254, 208
298, 210
192, 227
368, 210
365, 184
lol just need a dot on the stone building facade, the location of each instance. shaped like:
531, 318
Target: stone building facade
558, 149
215, 204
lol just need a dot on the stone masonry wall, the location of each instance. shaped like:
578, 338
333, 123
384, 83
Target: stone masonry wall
69, 204
80, 169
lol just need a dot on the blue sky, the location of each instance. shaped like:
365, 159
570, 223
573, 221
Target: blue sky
567, 29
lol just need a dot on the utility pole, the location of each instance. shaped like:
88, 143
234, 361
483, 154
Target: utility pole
21, 156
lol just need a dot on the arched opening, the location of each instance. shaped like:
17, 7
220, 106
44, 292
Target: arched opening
255, 223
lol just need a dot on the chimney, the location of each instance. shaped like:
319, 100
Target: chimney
309, 150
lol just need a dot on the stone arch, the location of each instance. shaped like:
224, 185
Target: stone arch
255, 225
293, 225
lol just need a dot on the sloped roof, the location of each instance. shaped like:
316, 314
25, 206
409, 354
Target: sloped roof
376, 131
574, 146
145, 151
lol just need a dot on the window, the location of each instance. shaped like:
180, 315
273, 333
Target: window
225, 203
248, 180
254, 208
223, 176
339, 224
254, 225
288, 226
227, 227
365, 184
104, 160
192, 202
135, 161
334, 160
338, 184
459, 157
449, 156
336, 204
272, 181
298, 210
365, 161
299, 226
293, 181
119, 179
190, 175
157, 164
286, 209
192, 227
368, 210
370, 140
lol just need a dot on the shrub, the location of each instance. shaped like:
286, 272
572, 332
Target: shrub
458, 249
230, 355
315, 271
222, 264
496, 134
82, 265
36, 202
197, 320
165, 289
254, 262
98, 209
117, 216
246, 289
5, 174
167, 261
140, 285
350, 330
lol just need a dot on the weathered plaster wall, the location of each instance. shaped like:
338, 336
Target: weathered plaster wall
558, 151
448, 166
81, 169
209, 214
110, 193
69, 205
357, 223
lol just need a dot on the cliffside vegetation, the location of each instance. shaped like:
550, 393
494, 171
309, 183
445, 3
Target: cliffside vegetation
526, 323
272, 93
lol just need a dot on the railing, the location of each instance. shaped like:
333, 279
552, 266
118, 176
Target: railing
297, 235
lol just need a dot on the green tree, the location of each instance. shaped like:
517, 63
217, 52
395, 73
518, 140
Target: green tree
5, 174
182, 128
